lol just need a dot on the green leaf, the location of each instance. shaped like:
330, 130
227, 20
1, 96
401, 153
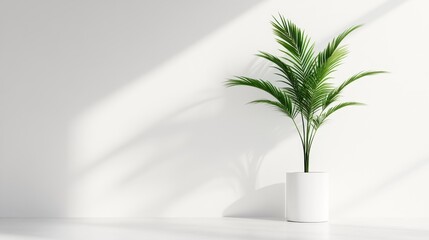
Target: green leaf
280, 95
358, 76
297, 46
324, 55
319, 120
335, 93
286, 109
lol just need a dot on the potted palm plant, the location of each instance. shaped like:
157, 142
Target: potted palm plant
305, 94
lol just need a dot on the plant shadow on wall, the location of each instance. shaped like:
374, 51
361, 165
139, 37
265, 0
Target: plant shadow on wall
225, 148
196, 153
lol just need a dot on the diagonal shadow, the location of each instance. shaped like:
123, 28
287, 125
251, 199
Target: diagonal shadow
215, 146
140, 138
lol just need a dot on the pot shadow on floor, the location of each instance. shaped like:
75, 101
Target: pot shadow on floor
264, 203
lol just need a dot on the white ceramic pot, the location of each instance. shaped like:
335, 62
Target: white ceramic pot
307, 197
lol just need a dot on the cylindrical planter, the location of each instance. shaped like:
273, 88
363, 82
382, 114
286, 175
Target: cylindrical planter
307, 197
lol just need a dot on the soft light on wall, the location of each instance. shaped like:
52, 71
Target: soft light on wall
118, 119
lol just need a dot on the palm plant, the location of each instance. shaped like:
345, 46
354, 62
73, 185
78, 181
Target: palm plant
307, 96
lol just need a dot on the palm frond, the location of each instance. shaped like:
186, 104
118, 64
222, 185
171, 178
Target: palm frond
293, 88
283, 68
298, 47
326, 63
288, 110
319, 120
266, 86
324, 55
335, 93
323, 71
358, 76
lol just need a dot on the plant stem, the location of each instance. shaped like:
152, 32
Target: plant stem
307, 147
306, 160
304, 143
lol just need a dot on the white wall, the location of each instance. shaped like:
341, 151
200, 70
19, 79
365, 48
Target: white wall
117, 108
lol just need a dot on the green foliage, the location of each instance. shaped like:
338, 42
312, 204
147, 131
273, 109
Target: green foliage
306, 93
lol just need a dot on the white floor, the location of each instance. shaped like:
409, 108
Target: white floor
189, 229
